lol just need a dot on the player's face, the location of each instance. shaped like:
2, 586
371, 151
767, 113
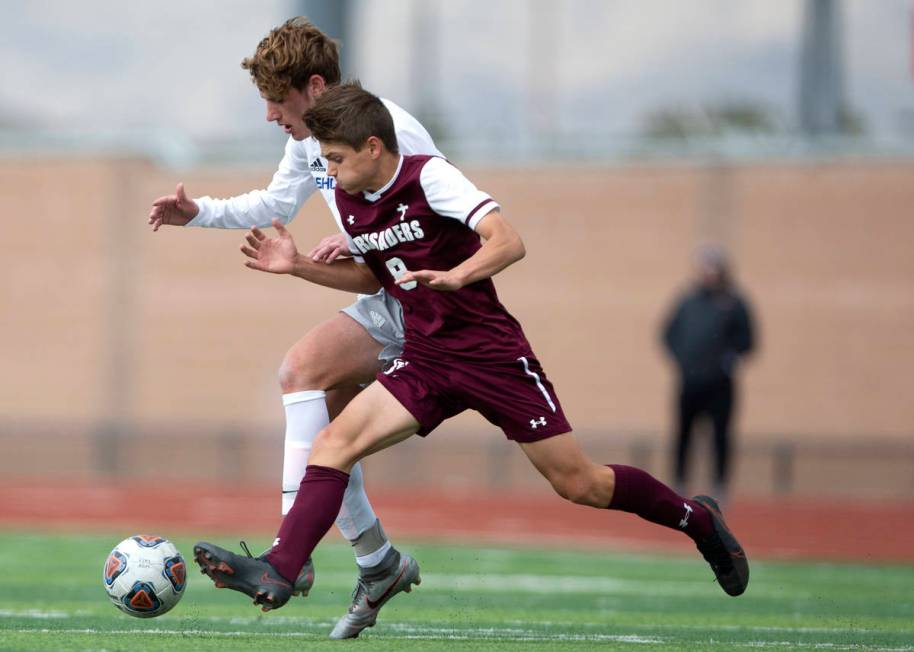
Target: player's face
354, 170
288, 113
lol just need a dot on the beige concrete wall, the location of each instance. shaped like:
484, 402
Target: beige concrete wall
105, 320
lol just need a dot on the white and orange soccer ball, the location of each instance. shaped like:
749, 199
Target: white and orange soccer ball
145, 575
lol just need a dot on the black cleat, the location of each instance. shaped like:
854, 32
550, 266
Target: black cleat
723, 552
252, 576
303, 582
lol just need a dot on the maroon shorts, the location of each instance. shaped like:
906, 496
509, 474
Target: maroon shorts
516, 396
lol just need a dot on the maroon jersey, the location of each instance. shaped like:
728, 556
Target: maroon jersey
424, 218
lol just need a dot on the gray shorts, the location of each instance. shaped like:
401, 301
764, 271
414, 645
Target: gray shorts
382, 316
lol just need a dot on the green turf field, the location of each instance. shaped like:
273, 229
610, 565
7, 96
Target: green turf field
51, 598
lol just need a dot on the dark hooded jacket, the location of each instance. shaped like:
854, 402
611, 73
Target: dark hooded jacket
708, 330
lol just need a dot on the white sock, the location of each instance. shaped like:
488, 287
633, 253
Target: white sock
306, 415
375, 558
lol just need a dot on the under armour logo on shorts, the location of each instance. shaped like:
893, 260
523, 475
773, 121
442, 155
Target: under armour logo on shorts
395, 366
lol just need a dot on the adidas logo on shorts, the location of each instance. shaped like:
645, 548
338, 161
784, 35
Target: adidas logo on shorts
377, 319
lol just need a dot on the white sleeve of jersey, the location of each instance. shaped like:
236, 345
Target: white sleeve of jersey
412, 138
451, 194
292, 184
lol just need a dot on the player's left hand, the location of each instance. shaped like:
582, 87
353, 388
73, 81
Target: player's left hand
434, 279
329, 249
177, 209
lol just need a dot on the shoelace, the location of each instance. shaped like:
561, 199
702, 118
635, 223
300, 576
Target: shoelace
247, 551
360, 588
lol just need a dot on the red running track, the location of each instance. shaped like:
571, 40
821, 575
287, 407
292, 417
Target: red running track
795, 529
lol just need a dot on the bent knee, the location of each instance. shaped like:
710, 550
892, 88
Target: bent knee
306, 368
575, 487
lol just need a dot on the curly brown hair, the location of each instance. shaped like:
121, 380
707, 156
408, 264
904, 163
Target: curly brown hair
289, 55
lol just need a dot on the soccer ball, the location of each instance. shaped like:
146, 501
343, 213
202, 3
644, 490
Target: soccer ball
145, 576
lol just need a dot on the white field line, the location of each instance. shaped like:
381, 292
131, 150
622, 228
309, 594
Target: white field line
763, 629
484, 634
565, 584
465, 634
513, 626
33, 613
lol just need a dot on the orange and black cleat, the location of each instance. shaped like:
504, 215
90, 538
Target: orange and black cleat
253, 576
723, 552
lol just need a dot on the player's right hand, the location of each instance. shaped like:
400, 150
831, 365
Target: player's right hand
275, 255
176, 209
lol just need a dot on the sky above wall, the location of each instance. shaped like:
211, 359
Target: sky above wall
509, 70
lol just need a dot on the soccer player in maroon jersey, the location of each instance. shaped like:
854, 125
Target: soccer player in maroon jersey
414, 225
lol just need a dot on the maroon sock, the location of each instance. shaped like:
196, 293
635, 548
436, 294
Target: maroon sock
641, 493
316, 506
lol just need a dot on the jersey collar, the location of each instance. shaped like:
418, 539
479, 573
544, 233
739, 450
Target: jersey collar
375, 196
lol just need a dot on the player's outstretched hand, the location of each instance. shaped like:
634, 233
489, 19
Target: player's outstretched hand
175, 209
329, 249
275, 255
436, 280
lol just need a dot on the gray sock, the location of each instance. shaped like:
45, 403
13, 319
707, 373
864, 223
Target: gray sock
370, 540
387, 566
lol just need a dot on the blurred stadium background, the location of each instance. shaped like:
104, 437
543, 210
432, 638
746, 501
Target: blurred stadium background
617, 135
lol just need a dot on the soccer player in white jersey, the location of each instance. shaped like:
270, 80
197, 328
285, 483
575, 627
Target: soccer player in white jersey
291, 67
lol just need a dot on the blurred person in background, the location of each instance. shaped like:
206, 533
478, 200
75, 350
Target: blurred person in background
708, 331
291, 67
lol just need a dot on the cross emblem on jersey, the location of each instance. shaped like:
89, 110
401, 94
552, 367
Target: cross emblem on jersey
402, 210
536, 423
351, 220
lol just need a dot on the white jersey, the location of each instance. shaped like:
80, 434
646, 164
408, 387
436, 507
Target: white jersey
302, 170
